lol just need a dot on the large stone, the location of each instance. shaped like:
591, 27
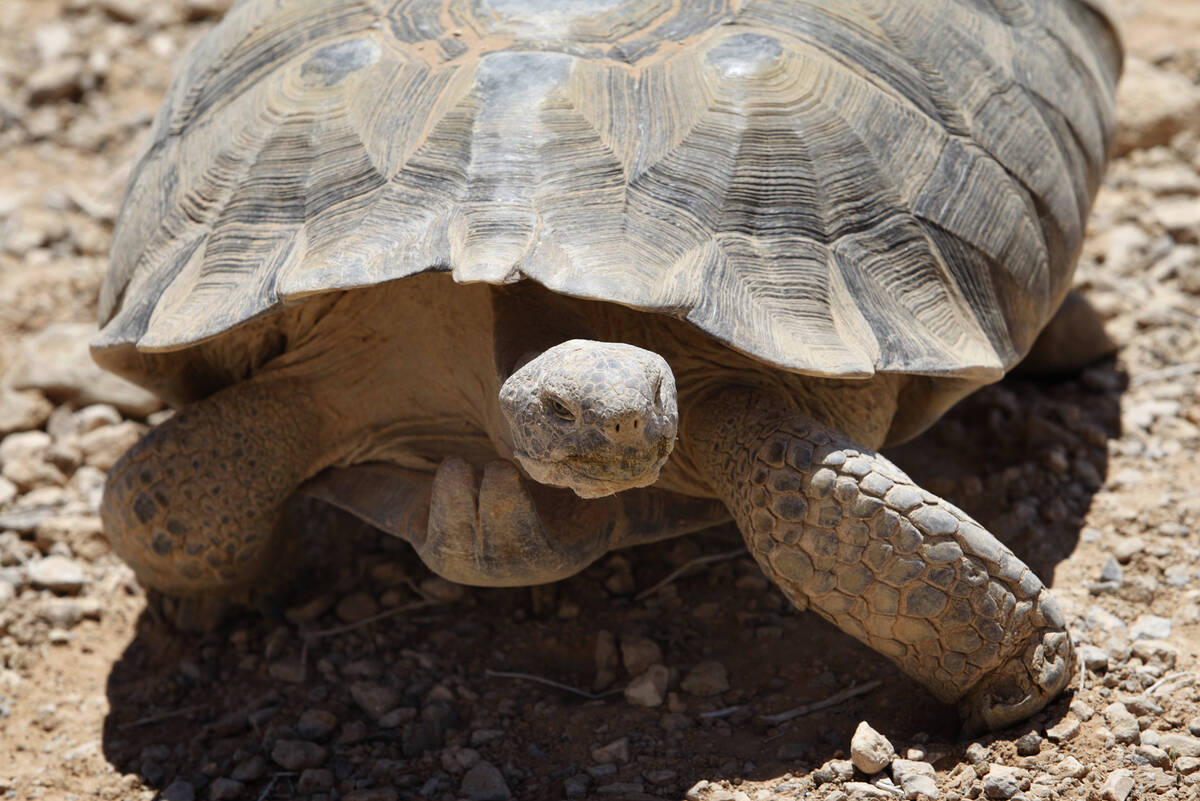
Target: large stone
22, 410
1180, 745
58, 363
1155, 105
58, 574
870, 751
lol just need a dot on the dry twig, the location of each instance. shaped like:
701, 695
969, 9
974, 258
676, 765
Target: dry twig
833, 700
699, 560
505, 674
174, 713
366, 621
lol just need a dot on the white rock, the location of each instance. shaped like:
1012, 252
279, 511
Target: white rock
616, 751
57, 362
1118, 786
649, 688
57, 573
1150, 627
639, 653
22, 411
915, 778
1002, 781
102, 447
89, 418
8, 492
870, 751
1155, 105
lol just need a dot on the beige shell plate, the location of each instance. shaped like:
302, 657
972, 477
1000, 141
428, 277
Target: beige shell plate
837, 188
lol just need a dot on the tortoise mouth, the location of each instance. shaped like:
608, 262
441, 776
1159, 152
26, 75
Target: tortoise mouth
589, 479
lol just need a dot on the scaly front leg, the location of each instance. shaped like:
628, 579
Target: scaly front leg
844, 532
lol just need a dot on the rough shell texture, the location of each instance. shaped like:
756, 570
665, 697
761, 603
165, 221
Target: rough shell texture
837, 188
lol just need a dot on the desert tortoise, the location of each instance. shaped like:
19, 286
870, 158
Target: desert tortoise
404, 247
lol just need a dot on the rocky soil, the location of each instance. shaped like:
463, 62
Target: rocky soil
381, 682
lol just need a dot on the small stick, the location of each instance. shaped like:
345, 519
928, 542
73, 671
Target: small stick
1082, 675
174, 713
505, 674
1181, 679
722, 713
833, 700
699, 560
271, 784
366, 621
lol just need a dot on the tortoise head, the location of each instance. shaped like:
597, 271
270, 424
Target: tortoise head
597, 417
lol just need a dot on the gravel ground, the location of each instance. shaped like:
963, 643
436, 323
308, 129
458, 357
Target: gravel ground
380, 681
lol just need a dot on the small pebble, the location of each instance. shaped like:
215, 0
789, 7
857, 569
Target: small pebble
315, 780
179, 790
576, 786
870, 751
639, 653
316, 724
1117, 786
375, 699
706, 679
356, 607
650, 688
223, 789
1122, 723
1062, 731
1150, 627
1093, 658
616, 751
835, 770
915, 778
1029, 744
1003, 782
1081, 710
298, 754
1127, 548
249, 770
977, 754
484, 782
58, 574
1072, 767
1112, 570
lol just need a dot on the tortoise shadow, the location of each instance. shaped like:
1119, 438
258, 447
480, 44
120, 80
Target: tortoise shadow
401, 706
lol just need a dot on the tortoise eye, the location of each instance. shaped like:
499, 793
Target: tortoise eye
560, 409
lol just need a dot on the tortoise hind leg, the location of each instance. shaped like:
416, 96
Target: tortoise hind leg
844, 532
1073, 339
194, 507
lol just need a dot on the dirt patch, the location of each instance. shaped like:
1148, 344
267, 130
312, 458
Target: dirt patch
381, 682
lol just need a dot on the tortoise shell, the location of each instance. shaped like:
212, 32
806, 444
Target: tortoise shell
835, 188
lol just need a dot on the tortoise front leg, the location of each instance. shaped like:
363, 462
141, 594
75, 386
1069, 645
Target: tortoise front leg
844, 532
194, 507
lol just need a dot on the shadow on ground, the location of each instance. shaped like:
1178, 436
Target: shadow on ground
402, 706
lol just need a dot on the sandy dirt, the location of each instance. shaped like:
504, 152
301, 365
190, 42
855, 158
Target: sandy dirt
382, 682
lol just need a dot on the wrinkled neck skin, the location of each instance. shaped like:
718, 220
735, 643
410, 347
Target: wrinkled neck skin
703, 368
